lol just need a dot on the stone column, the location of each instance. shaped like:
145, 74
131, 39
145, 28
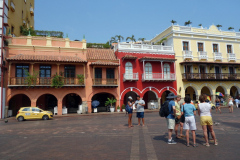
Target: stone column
33, 103
213, 98
84, 105
59, 107
6, 112
159, 103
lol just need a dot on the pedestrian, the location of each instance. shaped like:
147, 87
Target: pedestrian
178, 118
218, 105
171, 117
140, 110
189, 111
130, 111
230, 104
236, 101
207, 101
204, 111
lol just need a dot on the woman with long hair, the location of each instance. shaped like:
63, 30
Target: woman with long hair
204, 111
130, 111
230, 104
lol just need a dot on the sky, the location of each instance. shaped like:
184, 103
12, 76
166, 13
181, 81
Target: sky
99, 20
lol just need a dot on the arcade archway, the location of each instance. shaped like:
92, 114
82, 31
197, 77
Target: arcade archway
72, 101
150, 97
189, 91
47, 102
234, 92
164, 96
18, 101
132, 94
102, 98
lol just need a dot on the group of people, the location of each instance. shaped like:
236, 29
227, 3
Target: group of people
184, 116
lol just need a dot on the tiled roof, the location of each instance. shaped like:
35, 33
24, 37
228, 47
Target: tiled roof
157, 58
101, 54
51, 58
129, 57
99, 63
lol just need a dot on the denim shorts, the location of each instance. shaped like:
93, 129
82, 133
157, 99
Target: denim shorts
130, 111
140, 114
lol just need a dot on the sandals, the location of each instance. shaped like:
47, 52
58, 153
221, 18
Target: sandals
216, 143
195, 145
188, 145
206, 144
182, 136
178, 137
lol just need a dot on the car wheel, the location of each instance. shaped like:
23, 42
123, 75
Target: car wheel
45, 117
20, 118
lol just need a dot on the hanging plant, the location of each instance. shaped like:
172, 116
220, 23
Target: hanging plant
80, 79
31, 80
58, 80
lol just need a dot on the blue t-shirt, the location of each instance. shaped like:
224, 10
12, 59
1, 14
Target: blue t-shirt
188, 109
170, 107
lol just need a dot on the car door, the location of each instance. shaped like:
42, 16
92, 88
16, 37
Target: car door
27, 113
35, 113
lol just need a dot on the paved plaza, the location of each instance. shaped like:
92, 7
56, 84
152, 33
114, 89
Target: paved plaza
107, 136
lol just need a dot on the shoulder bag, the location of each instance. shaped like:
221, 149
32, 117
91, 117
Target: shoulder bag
182, 119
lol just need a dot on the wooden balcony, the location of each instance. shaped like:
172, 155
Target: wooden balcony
130, 77
210, 77
43, 82
99, 82
158, 77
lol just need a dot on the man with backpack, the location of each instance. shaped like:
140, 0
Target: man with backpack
171, 117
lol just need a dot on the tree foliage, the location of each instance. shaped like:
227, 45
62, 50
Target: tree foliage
173, 22
119, 38
58, 80
187, 23
110, 102
132, 38
218, 26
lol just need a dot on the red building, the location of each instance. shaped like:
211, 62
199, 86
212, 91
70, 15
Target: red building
146, 70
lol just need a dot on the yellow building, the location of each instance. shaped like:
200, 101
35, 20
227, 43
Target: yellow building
21, 12
207, 60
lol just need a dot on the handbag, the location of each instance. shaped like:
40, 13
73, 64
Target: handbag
182, 119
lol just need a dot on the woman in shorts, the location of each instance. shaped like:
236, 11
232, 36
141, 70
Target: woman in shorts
204, 111
178, 118
189, 111
130, 104
230, 104
218, 105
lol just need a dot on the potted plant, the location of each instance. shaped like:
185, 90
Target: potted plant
123, 108
110, 102
80, 78
118, 109
31, 79
58, 80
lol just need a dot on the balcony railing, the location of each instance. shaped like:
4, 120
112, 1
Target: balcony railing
202, 55
105, 82
130, 77
217, 56
158, 77
187, 55
12, 6
43, 81
210, 76
232, 57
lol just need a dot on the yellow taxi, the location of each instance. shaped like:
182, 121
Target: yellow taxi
33, 113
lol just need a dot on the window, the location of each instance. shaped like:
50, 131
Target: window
200, 47
110, 73
188, 69
12, 29
185, 46
69, 71
166, 69
21, 70
231, 70
26, 109
35, 109
128, 69
215, 47
98, 72
45, 71
148, 71
229, 48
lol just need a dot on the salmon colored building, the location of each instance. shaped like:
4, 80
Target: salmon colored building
146, 70
89, 74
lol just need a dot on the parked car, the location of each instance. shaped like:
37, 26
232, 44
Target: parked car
33, 113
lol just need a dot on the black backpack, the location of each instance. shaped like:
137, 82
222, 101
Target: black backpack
164, 111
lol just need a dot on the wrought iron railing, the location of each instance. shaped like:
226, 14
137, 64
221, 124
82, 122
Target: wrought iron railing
158, 76
210, 76
103, 82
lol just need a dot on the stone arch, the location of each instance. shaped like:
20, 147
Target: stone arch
96, 92
210, 90
209, 86
17, 101
235, 85
71, 91
16, 93
195, 88
136, 90
223, 86
150, 89
168, 88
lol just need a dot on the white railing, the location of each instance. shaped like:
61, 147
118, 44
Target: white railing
130, 77
12, 6
232, 57
142, 47
31, 10
217, 56
187, 55
158, 77
202, 55
238, 34
185, 28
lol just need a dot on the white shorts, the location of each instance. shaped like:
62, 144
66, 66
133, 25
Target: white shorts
170, 123
230, 104
189, 123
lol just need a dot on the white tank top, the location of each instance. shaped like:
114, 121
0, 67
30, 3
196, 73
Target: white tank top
205, 109
230, 101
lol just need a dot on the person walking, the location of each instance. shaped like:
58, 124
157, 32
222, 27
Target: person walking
178, 118
218, 105
171, 117
230, 104
189, 111
140, 110
130, 111
204, 111
236, 101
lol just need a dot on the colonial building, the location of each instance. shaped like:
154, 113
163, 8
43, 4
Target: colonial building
207, 60
146, 70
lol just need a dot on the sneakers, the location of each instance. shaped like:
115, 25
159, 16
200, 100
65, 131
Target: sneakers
172, 142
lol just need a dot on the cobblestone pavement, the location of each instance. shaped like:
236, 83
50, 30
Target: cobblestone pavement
108, 137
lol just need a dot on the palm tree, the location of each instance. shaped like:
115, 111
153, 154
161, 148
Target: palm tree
218, 26
173, 22
131, 38
113, 40
239, 30
110, 102
161, 41
119, 38
141, 39
230, 28
200, 25
187, 23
